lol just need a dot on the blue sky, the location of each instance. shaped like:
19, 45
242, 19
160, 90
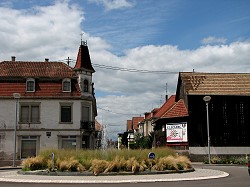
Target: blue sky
177, 22
154, 35
183, 23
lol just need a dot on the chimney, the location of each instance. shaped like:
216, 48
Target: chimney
46, 59
13, 58
166, 97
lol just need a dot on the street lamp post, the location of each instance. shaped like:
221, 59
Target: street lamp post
207, 100
16, 97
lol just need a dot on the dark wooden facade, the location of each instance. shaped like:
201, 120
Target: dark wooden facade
229, 108
229, 121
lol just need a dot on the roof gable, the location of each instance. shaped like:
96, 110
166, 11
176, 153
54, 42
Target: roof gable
165, 107
136, 121
177, 110
172, 109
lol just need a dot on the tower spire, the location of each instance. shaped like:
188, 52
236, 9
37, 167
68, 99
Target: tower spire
83, 61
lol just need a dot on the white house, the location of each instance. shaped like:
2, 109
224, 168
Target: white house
51, 104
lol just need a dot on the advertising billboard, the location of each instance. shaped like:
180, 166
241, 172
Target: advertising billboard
176, 132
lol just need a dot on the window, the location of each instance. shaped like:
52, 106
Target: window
28, 146
30, 85
85, 113
66, 113
30, 113
85, 85
68, 142
66, 85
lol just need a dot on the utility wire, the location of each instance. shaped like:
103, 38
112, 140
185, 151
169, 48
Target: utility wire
117, 112
132, 70
68, 61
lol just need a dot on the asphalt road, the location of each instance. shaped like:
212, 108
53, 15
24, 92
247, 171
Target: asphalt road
238, 178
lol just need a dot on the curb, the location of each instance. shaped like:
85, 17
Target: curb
10, 168
198, 174
58, 173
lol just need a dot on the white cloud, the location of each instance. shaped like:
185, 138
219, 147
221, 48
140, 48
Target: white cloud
38, 31
54, 32
113, 4
213, 40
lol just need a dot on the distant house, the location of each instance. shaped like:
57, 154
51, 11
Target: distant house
129, 125
56, 108
168, 115
170, 123
229, 111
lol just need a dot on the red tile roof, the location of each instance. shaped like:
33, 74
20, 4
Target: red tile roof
83, 59
129, 125
48, 79
136, 121
177, 110
172, 109
98, 126
165, 107
35, 69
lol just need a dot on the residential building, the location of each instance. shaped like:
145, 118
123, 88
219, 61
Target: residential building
54, 106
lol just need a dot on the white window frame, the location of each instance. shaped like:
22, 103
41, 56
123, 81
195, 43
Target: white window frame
27, 86
66, 80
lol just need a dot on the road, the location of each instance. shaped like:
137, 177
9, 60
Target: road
238, 178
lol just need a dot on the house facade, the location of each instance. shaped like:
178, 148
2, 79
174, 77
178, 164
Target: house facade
46, 105
228, 109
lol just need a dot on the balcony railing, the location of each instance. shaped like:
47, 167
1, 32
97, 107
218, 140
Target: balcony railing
87, 125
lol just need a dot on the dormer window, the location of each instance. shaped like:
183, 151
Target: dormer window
85, 85
66, 85
30, 85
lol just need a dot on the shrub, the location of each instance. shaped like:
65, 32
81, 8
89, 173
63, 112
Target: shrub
118, 164
34, 163
183, 163
74, 165
165, 163
132, 165
98, 166
62, 165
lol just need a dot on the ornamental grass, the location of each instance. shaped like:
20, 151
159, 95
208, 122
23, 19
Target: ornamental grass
106, 161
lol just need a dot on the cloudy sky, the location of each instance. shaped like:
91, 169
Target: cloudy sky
137, 47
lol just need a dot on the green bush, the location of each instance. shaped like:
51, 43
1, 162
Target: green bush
239, 160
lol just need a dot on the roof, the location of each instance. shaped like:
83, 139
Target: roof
98, 126
129, 125
170, 102
177, 110
35, 69
83, 61
136, 121
215, 83
172, 109
48, 79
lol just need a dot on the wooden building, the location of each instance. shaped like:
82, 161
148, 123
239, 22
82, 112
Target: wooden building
229, 111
